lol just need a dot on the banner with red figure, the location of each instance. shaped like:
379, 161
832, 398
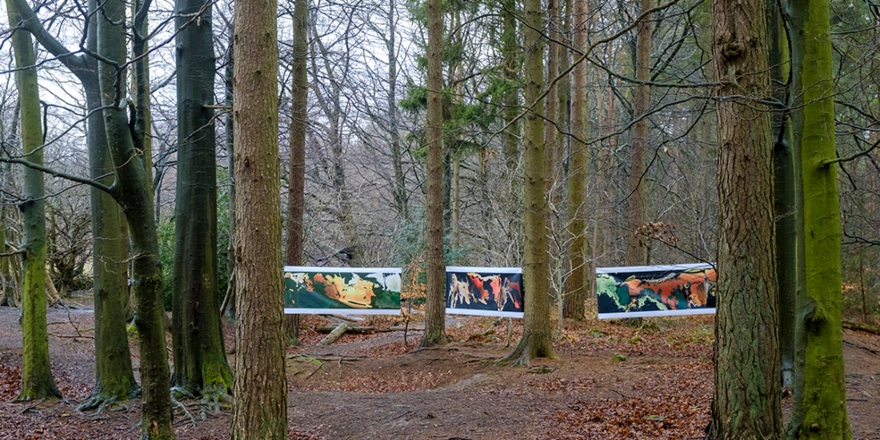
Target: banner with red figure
484, 291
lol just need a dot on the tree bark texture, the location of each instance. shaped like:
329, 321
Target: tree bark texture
36, 373
747, 388
133, 195
260, 404
636, 252
435, 327
297, 171
537, 332
578, 280
819, 409
200, 365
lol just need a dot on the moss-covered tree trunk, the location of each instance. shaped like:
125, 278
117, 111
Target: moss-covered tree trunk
113, 367
537, 332
260, 398
435, 322
636, 252
133, 195
200, 366
578, 281
747, 388
36, 373
819, 409
114, 376
296, 180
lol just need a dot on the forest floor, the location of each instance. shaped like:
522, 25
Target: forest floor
610, 381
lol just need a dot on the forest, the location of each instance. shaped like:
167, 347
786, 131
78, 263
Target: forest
163, 163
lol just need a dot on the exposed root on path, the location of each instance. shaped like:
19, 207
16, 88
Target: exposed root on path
102, 401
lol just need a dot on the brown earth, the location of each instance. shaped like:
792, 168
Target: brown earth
609, 381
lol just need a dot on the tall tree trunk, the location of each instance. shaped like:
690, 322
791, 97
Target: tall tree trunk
636, 252
537, 332
400, 191
819, 409
552, 169
747, 389
510, 64
10, 266
297, 172
133, 195
114, 376
141, 86
435, 323
788, 218
230, 163
200, 366
36, 373
578, 281
550, 106
260, 405
113, 367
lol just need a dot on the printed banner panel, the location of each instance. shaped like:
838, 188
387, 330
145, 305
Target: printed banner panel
484, 291
352, 291
638, 291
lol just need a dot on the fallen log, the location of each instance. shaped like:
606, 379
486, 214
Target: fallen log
329, 328
861, 326
335, 334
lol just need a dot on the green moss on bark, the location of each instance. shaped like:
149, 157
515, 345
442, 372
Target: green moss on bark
36, 373
819, 409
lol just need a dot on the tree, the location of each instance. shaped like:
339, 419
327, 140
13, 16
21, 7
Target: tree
114, 377
636, 253
297, 172
819, 405
577, 282
510, 65
435, 327
747, 388
260, 393
200, 365
132, 192
788, 214
331, 100
36, 373
537, 334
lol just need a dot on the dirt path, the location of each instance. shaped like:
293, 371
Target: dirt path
610, 381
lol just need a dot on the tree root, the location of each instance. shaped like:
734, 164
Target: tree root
215, 398
186, 412
517, 358
104, 401
100, 402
